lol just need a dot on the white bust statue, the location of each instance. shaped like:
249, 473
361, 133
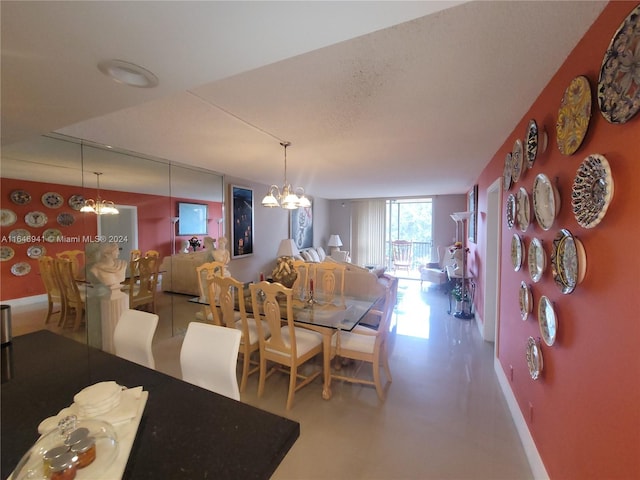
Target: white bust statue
222, 255
185, 246
108, 270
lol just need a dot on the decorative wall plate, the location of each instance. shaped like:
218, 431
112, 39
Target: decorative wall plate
592, 191
517, 252
568, 261
517, 160
512, 210
534, 358
20, 269
506, 174
51, 235
66, 219
7, 217
619, 80
535, 143
76, 202
19, 236
52, 200
524, 209
536, 260
546, 201
547, 321
20, 197
525, 299
6, 253
36, 219
574, 115
36, 251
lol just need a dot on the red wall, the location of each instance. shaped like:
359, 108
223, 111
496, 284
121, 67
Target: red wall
154, 227
585, 418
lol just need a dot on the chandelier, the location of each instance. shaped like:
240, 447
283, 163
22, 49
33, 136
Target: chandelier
99, 206
287, 197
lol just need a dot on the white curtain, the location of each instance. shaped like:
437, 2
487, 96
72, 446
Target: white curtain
368, 227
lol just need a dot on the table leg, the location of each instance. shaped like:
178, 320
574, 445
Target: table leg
326, 346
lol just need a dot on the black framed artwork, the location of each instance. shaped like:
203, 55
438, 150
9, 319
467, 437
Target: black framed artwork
242, 221
473, 219
302, 226
192, 219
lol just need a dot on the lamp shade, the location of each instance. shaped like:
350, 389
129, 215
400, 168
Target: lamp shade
334, 241
460, 216
287, 248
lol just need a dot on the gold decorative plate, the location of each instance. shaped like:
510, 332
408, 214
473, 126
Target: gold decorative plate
523, 216
506, 174
535, 142
546, 201
512, 210
574, 115
517, 252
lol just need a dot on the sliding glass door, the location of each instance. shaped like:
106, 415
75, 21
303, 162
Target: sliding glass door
410, 219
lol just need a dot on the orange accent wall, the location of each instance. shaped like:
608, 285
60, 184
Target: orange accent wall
585, 418
154, 227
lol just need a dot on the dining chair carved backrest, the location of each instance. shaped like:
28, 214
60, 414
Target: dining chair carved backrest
77, 259
72, 296
152, 253
205, 274
208, 358
288, 344
143, 283
301, 285
133, 337
52, 286
231, 304
328, 280
134, 255
402, 254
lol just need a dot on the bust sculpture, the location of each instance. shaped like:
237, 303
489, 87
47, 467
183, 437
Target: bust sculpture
108, 270
222, 255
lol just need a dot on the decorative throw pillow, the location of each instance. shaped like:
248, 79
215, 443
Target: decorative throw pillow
314, 255
305, 255
321, 254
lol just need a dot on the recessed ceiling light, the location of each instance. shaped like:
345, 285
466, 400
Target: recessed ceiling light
128, 73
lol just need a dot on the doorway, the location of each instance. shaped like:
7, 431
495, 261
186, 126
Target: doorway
491, 312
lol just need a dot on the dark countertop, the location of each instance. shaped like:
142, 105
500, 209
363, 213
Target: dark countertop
186, 432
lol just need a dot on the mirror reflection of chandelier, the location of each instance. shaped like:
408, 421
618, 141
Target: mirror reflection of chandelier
286, 197
99, 206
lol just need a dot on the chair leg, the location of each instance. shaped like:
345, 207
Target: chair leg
385, 363
263, 374
293, 377
78, 319
376, 376
246, 358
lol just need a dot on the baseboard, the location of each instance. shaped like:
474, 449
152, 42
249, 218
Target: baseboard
535, 461
25, 301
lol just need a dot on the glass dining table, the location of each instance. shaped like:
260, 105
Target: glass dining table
323, 315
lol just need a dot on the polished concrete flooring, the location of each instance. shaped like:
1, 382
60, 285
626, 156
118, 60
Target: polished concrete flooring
443, 417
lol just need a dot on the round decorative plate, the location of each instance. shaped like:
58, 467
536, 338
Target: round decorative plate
523, 216
574, 115
525, 299
20, 197
20, 269
7, 217
534, 358
76, 202
568, 261
547, 321
36, 219
51, 235
512, 210
536, 260
592, 191
517, 159
20, 236
506, 175
619, 80
66, 219
52, 200
517, 252
536, 143
36, 251
546, 201
6, 253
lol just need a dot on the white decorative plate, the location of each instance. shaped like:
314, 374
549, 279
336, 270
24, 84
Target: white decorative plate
537, 260
523, 216
506, 174
517, 254
517, 159
66, 219
76, 202
534, 358
546, 201
52, 200
36, 219
525, 299
20, 197
20, 269
20, 236
619, 80
547, 321
51, 235
36, 251
512, 210
573, 116
535, 143
568, 261
7, 217
6, 253
592, 191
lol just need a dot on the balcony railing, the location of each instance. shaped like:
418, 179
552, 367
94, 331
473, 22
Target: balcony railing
421, 254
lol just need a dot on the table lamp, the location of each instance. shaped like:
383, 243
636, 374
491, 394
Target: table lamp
334, 243
284, 272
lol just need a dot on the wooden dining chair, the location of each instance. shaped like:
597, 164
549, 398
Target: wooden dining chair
73, 297
143, 283
77, 259
134, 255
288, 345
300, 286
328, 280
51, 282
231, 302
133, 337
402, 254
152, 253
205, 274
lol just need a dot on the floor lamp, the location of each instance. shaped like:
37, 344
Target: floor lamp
174, 220
462, 218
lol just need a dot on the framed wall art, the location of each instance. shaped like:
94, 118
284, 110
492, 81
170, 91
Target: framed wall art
242, 221
472, 206
193, 219
302, 226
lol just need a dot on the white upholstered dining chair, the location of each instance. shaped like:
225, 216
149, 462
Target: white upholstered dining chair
133, 337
